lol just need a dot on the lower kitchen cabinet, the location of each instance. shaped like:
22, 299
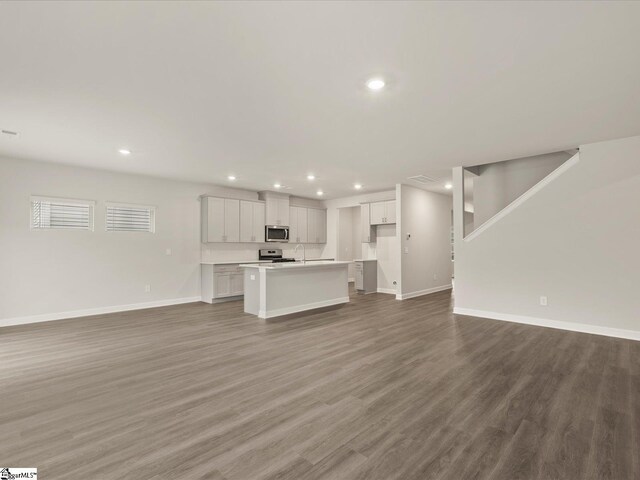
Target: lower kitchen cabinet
221, 282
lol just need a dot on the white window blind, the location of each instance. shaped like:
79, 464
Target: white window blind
60, 213
130, 218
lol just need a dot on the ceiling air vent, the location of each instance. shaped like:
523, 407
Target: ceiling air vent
423, 179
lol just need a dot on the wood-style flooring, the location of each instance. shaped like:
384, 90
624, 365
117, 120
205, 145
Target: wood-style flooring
376, 389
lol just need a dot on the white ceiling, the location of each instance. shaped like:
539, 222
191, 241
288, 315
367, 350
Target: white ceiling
272, 91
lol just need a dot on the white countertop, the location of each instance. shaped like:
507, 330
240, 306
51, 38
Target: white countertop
366, 260
287, 265
237, 262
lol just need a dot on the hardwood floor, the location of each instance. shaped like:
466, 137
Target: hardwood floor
376, 389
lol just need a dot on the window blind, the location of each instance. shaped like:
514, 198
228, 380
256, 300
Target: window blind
49, 213
130, 218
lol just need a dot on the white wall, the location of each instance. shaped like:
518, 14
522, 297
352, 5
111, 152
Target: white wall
48, 272
574, 241
58, 273
426, 255
500, 183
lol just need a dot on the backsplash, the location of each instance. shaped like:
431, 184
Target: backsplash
229, 252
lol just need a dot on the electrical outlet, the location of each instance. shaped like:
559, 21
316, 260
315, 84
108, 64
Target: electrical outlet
253, 277
435, 276
543, 301
147, 288
167, 251
406, 249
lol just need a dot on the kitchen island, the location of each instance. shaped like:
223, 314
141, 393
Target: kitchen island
271, 290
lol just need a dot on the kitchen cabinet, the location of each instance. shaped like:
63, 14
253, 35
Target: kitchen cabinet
277, 208
383, 213
317, 225
220, 220
366, 276
298, 224
252, 221
368, 231
221, 282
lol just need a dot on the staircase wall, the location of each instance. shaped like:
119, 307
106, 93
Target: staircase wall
575, 241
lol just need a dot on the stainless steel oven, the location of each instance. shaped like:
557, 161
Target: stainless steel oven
276, 233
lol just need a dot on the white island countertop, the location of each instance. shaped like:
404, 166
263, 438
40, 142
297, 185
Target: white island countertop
291, 265
275, 289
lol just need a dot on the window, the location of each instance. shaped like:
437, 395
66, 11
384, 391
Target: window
130, 218
60, 213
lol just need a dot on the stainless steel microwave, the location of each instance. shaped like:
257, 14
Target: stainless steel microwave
276, 233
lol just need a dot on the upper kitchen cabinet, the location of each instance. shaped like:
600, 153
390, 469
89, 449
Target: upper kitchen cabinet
317, 225
368, 232
298, 224
252, 221
220, 219
382, 213
277, 208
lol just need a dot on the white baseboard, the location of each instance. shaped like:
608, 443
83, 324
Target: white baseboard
392, 291
47, 317
405, 296
543, 322
278, 312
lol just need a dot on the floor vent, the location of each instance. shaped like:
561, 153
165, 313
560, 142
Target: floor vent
423, 179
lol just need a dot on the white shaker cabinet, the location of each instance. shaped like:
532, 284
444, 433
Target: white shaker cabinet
220, 220
317, 225
383, 213
277, 208
298, 224
221, 282
252, 221
368, 232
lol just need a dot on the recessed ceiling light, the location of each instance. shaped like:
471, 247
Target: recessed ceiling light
448, 186
375, 84
276, 185
357, 186
311, 177
320, 192
124, 151
231, 177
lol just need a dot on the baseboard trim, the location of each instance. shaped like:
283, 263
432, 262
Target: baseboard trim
419, 293
391, 291
302, 308
48, 317
546, 323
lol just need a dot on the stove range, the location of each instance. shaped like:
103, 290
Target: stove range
273, 254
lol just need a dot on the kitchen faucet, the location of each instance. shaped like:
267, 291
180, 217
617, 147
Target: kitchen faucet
304, 252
